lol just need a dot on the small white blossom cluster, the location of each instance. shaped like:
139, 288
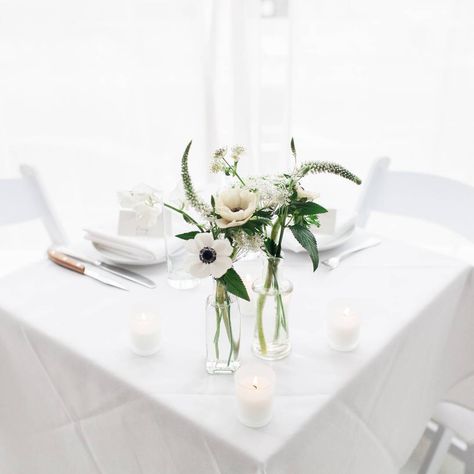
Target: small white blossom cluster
236, 151
246, 242
273, 192
217, 162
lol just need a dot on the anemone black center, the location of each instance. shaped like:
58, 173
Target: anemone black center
207, 255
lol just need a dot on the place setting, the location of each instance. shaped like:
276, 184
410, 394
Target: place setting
252, 221
131, 243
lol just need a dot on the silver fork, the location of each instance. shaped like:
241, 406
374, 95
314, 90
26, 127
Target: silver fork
334, 262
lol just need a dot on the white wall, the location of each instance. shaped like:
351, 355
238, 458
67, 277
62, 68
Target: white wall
374, 78
101, 94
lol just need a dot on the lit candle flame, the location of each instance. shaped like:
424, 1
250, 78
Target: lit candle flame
255, 382
346, 312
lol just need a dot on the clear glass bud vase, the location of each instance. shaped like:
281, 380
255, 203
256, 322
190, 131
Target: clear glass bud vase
271, 338
222, 331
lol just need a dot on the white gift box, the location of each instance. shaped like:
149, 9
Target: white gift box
129, 225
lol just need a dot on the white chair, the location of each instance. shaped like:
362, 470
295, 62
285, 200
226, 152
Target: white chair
450, 204
423, 196
454, 422
23, 199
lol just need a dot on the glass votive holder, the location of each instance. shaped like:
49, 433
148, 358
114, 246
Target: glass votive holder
343, 325
144, 333
254, 390
248, 308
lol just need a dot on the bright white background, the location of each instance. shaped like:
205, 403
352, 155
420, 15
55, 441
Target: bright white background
100, 95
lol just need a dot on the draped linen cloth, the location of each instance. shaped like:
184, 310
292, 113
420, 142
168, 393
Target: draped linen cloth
74, 399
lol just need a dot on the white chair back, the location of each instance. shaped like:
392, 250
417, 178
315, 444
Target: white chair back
442, 201
23, 199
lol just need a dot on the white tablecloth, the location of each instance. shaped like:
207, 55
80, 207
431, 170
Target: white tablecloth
74, 399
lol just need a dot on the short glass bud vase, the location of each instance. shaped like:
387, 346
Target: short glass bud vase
222, 331
273, 294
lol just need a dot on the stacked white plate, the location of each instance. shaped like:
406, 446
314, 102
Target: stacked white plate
140, 250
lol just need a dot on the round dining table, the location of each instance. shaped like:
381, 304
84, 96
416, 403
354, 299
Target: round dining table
75, 399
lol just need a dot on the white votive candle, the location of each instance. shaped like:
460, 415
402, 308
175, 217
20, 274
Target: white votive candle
248, 307
144, 332
343, 328
254, 389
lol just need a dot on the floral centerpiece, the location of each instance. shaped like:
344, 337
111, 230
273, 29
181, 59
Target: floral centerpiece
285, 204
295, 209
251, 214
230, 225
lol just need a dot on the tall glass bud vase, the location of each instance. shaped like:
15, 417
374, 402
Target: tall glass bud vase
222, 331
176, 254
271, 339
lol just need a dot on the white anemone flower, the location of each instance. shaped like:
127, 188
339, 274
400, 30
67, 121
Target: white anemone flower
235, 206
209, 257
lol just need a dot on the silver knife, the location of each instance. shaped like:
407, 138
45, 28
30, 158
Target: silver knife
119, 271
71, 264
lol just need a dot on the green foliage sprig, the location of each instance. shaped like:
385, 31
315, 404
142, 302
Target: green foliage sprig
313, 167
298, 214
194, 200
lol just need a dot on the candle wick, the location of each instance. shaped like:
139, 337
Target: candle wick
254, 386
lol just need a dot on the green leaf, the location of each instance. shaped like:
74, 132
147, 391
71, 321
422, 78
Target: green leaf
251, 225
234, 284
255, 225
188, 235
319, 209
306, 239
307, 208
270, 246
263, 213
213, 202
312, 220
249, 230
188, 219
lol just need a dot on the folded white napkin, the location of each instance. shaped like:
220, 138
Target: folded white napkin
139, 249
345, 223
